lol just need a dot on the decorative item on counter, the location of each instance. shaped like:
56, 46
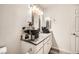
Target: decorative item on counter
31, 26
24, 34
45, 30
23, 28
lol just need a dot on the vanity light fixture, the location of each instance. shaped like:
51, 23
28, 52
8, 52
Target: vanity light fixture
36, 10
47, 18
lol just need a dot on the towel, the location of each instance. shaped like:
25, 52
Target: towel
3, 50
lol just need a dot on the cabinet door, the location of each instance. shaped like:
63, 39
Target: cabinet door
38, 47
26, 47
47, 47
77, 31
40, 51
30, 48
77, 44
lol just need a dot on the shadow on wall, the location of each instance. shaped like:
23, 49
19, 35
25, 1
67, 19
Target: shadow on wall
55, 47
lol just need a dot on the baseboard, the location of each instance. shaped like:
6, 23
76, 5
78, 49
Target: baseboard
62, 51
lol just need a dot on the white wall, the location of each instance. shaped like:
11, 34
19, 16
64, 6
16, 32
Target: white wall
64, 26
12, 19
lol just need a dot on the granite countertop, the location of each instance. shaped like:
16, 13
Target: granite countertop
42, 37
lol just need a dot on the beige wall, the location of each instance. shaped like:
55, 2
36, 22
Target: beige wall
12, 19
64, 26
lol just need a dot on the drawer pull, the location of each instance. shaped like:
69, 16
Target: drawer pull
30, 49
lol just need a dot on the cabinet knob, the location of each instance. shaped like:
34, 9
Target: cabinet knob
30, 49
74, 34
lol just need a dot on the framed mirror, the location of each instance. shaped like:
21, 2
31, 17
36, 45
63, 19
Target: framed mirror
36, 19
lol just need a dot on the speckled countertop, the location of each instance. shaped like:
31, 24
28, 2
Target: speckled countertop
42, 37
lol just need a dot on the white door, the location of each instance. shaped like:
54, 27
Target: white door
76, 33
77, 30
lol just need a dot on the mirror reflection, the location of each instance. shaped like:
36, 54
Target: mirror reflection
36, 16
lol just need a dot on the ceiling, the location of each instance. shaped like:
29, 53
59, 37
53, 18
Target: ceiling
46, 6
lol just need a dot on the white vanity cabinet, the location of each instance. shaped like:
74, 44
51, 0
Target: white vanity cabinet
40, 51
26, 47
43, 47
47, 45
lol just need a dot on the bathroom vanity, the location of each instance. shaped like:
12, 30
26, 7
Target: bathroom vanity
36, 42
41, 45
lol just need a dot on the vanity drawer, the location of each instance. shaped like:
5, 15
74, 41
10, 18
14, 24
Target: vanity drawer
46, 39
27, 48
30, 48
38, 47
47, 46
